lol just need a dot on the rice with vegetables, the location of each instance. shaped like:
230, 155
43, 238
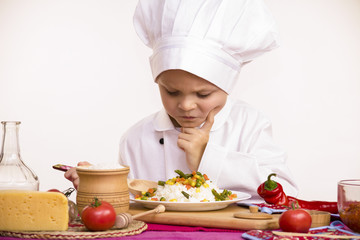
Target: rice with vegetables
194, 187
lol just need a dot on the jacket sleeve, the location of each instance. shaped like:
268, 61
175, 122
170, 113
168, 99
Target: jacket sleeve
245, 167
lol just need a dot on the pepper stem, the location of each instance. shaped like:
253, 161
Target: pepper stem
270, 184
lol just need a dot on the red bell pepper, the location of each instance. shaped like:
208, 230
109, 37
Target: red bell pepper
272, 192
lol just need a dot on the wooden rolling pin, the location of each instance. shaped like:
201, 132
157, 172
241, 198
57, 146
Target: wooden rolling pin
123, 220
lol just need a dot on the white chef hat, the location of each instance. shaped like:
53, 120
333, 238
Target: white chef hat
209, 38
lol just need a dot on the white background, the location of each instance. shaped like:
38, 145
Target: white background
77, 76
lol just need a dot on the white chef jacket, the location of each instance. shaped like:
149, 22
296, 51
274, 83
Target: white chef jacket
239, 156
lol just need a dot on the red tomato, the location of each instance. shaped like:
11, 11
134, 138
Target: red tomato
98, 216
53, 190
295, 220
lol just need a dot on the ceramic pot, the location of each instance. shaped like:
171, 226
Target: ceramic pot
106, 184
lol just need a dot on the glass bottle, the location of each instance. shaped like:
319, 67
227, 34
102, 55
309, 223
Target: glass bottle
14, 174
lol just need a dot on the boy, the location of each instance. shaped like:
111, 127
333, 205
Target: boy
199, 48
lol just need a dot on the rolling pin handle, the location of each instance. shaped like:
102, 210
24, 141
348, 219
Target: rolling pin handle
159, 209
254, 209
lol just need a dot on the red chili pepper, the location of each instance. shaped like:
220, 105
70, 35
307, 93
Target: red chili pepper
314, 205
273, 193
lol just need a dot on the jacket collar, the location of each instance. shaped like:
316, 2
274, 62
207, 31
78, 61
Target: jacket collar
162, 120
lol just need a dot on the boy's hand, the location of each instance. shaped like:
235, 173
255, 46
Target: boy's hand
72, 175
193, 141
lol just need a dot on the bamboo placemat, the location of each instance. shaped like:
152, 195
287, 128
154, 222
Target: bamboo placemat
79, 231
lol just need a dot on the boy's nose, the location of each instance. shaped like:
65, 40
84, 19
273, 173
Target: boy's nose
187, 104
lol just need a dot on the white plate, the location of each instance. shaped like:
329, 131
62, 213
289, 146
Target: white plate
192, 207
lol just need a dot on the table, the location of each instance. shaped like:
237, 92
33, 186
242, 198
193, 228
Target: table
163, 231
179, 235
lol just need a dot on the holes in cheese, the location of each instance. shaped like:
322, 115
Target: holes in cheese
33, 211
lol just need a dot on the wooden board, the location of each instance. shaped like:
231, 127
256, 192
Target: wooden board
223, 218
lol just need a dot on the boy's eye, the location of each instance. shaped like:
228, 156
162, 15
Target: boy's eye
203, 95
172, 93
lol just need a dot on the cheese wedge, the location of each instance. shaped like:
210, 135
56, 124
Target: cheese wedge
33, 211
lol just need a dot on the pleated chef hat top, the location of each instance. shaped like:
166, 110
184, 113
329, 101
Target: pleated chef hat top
209, 38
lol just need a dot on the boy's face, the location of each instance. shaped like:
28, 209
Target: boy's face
187, 98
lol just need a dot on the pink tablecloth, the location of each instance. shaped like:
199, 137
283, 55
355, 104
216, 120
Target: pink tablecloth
186, 235
159, 235
161, 231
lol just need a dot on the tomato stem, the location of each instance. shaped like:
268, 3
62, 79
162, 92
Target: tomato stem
96, 202
295, 205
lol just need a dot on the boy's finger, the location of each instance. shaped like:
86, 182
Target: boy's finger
209, 120
69, 173
84, 163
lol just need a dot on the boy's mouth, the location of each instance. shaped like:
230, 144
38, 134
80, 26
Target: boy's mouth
188, 117
188, 121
